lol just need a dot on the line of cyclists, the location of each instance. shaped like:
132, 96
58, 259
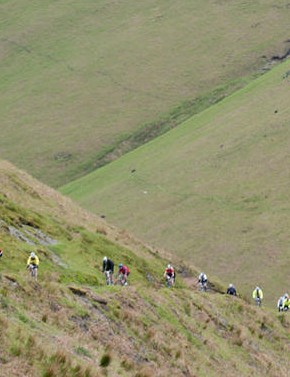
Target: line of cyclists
170, 276
283, 303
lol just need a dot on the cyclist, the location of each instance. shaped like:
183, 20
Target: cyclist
169, 275
1, 253
32, 263
202, 280
286, 303
280, 303
124, 272
232, 290
108, 269
258, 295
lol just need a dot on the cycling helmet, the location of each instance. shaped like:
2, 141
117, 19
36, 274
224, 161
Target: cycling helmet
105, 259
120, 265
231, 285
32, 255
286, 295
169, 266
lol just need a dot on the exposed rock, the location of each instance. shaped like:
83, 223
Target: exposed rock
28, 234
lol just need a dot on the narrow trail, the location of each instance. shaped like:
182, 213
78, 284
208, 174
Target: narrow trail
192, 283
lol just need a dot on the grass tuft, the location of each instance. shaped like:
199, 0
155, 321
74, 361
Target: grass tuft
51, 371
105, 360
83, 352
127, 363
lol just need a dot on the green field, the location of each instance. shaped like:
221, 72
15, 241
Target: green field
214, 190
70, 324
77, 77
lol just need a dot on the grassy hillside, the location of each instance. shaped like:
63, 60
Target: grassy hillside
214, 190
69, 323
79, 77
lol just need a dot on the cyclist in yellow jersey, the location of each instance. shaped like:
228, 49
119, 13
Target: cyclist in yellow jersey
33, 260
32, 265
258, 295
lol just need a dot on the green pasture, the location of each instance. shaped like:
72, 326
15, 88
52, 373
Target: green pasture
214, 191
80, 77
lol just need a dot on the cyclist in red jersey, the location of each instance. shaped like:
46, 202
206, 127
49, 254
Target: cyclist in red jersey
124, 272
169, 275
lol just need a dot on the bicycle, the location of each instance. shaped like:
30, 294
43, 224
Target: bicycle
109, 277
121, 280
169, 281
202, 286
258, 301
33, 270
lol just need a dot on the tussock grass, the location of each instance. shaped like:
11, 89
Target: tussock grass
105, 360
127, 363
145, 372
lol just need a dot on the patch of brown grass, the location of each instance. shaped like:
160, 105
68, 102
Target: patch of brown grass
239, 336
127, 363
145, 372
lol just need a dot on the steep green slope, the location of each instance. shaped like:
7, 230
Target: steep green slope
69, 323
215, 190
78, 77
